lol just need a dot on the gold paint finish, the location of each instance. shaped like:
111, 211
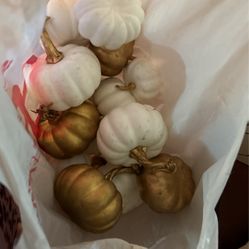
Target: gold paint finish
113, 61
70, 132
166, 191
88, 198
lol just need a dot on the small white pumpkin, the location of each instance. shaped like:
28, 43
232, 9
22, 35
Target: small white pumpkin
63, 79
62, 25
144, 75
126, 128
144, 4
109, 23
128, 187
109, 96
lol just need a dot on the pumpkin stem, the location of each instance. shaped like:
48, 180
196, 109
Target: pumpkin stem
133, 169
127, 86
53, 55
47, 114
139, 154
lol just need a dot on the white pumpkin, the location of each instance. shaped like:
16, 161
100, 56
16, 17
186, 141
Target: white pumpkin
126, 128
62, 25
128, 187
109, 23
144, 75
109, 96
64, 83
144, 4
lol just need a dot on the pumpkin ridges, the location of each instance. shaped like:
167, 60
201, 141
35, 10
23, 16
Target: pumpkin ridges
115, 22
107, 146
49, 144
107, 95
72, 133
159, 138
88, 170
72, 67
89, 111
144, 74
91, 201
108, 187
116, 98
67, 178
103, 228
76, 129
114, 204
68, 141
106, 122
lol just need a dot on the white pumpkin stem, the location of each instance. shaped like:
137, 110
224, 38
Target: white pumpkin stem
53, 55
139, 154
127, 86
133, 169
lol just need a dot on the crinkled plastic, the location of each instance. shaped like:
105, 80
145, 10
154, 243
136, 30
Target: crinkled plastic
200, 48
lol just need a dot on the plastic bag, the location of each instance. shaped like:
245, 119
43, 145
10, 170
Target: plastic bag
201, 50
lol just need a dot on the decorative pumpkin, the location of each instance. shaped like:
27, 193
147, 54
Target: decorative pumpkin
113, 61
68, 133
88, 198
109, 95
128, 187
144, 3
144, 75
125, 129
63, 79
109, 23
124, 178
168, 187
62, 25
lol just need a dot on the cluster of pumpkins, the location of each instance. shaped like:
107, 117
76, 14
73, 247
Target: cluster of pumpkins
77, 81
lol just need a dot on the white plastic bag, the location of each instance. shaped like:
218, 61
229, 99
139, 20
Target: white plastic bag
201, 50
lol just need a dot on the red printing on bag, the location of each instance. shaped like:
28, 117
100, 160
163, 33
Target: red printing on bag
33, 163
18, 99
5, 66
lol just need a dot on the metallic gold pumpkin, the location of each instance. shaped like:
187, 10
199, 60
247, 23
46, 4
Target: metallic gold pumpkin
113, 61
166, 191
68, 133
88, 198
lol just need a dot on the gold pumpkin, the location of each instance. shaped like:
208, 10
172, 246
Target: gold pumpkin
88, 198
68, 133
113, 61
169, 189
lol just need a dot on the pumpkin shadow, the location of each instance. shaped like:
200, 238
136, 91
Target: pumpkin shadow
172, 71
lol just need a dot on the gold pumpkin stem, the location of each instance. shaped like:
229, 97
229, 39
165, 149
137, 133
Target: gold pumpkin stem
47, 114
134, 169
127, 86
53, 55
139, 154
